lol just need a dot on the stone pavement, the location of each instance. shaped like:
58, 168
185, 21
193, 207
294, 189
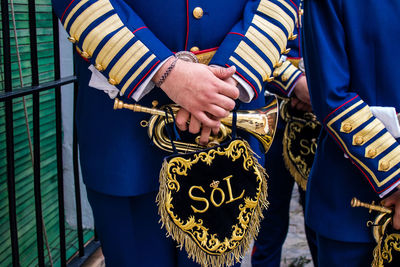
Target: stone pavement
295, 251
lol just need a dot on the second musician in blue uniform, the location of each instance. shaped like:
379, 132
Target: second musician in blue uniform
349, 58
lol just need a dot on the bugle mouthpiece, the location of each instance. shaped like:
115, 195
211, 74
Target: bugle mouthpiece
118, 104
357, 203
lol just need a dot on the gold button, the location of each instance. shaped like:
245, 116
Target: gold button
112, 81
285, 78
72, 39
347, 127
99, 67
385, 165
85, 54
276, 73
359, 140
194, 49
371, 153
198, 12
287, 51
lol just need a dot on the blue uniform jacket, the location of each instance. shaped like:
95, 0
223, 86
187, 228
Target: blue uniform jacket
350, 64
127, 40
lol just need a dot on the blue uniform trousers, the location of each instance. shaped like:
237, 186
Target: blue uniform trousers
268, 246
332, 253
130, 234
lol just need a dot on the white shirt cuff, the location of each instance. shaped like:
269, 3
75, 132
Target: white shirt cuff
99, 81
387, 191
388, 116
246, 93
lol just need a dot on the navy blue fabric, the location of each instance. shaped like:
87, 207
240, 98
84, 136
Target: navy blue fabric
274, 227
348, 52
130, 235
332, 253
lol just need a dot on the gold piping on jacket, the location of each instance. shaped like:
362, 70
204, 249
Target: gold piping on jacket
264, 44
73, 11
271, 29
127, 61
368, 170
355, 120
93, 39
379, 146
392, 159
240, 65
136, 73
255, 61
113, 46
369, 131
88, 16
272, 10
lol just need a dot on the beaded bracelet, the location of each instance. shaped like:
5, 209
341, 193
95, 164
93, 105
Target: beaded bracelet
166, 73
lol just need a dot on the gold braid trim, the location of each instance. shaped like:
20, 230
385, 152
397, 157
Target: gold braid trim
383, 254
292, 168
243, 237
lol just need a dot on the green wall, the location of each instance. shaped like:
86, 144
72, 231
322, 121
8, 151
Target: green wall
23, 165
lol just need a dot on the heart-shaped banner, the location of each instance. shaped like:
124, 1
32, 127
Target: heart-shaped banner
211, 201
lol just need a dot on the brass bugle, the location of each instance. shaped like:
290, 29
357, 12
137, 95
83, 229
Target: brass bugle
381, 220
260, 123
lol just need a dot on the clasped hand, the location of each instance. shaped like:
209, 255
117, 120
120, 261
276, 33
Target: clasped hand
206, 95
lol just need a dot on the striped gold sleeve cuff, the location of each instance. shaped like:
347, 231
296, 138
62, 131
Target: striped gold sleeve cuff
367, 142
100, 35
256, 49
286, 77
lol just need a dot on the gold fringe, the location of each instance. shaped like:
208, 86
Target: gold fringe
185, 241
377, 260
289, 164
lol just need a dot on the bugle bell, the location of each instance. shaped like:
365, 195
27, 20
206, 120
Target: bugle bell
261, 123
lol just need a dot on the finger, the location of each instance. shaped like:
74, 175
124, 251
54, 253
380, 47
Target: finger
396, 218
206, 121
228, 90
215, 131
231, 81
389, 201
182, 117
293, 102
205, 134
194, 125
224, 102
216, 112
223, 73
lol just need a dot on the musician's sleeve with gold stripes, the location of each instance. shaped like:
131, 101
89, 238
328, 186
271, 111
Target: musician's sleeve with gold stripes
117, 43
256, 42
285, 78
345, 116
